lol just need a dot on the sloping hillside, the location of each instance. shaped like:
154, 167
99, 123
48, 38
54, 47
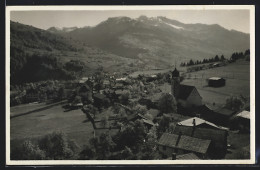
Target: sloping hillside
41, 55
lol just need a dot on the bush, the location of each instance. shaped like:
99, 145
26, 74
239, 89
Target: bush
58, 147
234, 103
27, 151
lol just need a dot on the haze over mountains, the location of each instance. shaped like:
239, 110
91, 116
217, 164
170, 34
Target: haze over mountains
124, 44
160, 39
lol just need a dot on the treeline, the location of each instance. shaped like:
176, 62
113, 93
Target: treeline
233, 57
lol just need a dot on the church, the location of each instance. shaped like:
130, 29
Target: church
187, 96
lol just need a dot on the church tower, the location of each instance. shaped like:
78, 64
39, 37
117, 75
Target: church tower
175, 83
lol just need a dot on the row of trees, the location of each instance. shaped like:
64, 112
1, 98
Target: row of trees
204, 61
234, 57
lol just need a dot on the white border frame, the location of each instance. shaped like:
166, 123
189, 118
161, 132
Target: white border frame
133, 162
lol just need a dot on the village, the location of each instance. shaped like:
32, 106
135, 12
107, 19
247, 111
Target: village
156, 111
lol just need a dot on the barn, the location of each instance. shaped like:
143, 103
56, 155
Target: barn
216, 82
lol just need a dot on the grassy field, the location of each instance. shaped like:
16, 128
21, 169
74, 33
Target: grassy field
237, 77
73, 123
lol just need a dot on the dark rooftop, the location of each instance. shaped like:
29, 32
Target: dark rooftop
185, 142
225, 111
185, 91
217, 136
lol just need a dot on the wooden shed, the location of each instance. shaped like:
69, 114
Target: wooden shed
216, 82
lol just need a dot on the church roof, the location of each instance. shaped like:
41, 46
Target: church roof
185, 91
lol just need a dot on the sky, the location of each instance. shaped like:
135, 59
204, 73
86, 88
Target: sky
230, 19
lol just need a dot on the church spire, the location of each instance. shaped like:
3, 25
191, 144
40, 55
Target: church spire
175, 72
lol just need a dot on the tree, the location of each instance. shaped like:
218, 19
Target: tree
222, 58
216, 58
106, 145
167, 103
164, 124
191, 63
57, 146
234, 103
87, 153
247, 52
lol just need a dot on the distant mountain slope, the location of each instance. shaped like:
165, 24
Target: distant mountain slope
38, 54
159, 40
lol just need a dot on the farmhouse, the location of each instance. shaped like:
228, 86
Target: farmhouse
216, 82
186, 96
218, 138
182, 144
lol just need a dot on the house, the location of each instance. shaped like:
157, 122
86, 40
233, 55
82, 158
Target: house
241, 121
182, 144
216, 82
218, 138
195, 121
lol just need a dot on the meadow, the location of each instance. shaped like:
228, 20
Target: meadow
32, 126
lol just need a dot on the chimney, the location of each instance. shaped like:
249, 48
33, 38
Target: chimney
193, 129
194, 122
178, 139
173, 156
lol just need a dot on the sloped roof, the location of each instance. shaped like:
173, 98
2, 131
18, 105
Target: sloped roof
168, 139
224, 111
186, 142
198, 121
219, 137
154, 112
148, 122
188, 156
244, 114
185, 91
193, 144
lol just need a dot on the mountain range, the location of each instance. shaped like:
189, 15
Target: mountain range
124, 44
159, 40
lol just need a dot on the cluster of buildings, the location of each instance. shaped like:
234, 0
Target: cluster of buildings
204, 136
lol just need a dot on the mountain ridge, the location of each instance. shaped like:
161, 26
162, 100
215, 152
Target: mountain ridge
161, 39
